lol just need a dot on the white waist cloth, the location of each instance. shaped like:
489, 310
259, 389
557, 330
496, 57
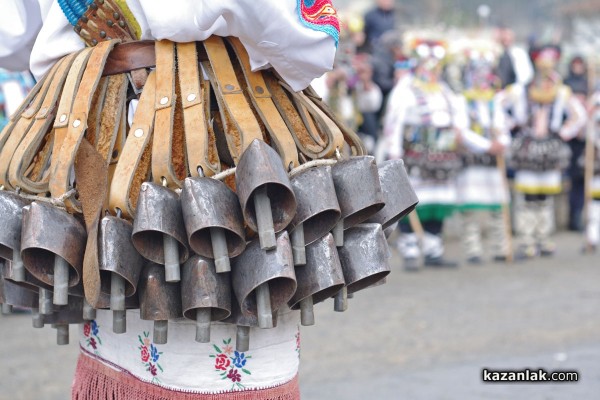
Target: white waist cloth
481, 186
533, 182
186, 365
434, 192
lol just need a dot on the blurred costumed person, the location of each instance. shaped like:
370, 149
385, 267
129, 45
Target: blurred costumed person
514, 65
297, 39
379, 20
544, 115
423, 124
577, 81
592, 226
481, 188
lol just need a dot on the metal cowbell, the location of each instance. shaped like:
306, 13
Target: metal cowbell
64, 316
158, 230
364, 256
264, 281
318, 210
400, 198
11, 215
243, 323
265, 193
120, 266
52, 247
213, 220
321, 278
358, 191
205, 295
160, 300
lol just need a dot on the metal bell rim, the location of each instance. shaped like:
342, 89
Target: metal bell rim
31, 257
319, 296
362, 215
327, 219
216, 314
105, 278
399, 216
279, 195
154, 236
367, 282
250, 298
200, 242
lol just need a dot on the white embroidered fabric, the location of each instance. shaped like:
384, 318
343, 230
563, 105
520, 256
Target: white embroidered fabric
186, 365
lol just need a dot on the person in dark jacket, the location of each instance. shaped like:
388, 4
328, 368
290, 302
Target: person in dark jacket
577, 80
378, 21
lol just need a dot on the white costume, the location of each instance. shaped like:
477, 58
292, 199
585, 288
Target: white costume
481, 184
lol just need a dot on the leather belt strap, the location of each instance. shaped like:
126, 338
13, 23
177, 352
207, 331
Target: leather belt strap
357, 146
260, 96
94, 114
335, 138
66, 102
39, 130
133, 167
21, 127
239, 123
168, 146
294, 120
61, 174
201, 153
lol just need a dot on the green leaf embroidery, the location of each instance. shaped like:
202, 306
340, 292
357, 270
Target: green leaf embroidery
246, 371
140, 339
229, 341
159, 367
99, 340
212, 355
217, 348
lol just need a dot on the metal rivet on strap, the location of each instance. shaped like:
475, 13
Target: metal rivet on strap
109, 23
76, 123
116, 15
229, 87
63, 118
164, 100
191, 97
139, 132
102, 34
259, 90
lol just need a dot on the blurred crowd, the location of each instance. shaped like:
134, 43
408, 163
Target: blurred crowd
486, 129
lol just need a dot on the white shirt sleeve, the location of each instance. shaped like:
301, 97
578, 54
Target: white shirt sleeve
577, 117
522, 64
20, 22
400, 100
271, 31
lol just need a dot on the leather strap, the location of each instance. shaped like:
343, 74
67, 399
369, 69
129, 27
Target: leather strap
168, 146
356, 145
192, 98
294, 120
240, 124
335, 138
95, 112
22, 127
61, 174
261, 98
110, 117
33, 140
92, 185
66, 102
134, 165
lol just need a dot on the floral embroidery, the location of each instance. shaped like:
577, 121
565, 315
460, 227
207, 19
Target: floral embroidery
91, 331
149, 355
229, 366
320, 15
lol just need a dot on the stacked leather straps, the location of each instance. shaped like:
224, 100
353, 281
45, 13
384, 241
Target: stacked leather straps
96, 146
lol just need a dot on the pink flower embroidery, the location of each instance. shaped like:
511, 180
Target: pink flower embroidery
228, 349
86, 329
